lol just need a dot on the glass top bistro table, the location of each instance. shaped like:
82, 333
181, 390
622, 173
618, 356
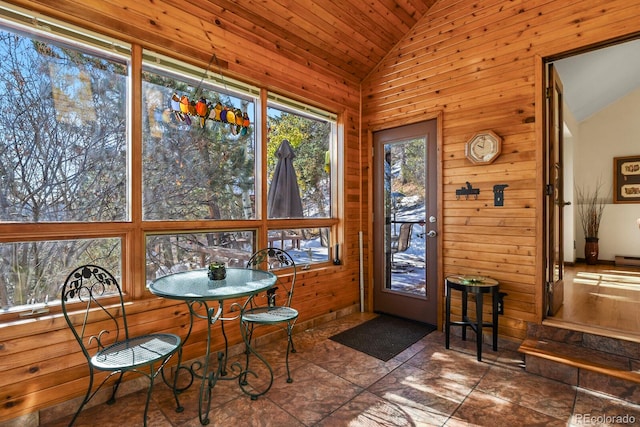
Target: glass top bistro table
205, 299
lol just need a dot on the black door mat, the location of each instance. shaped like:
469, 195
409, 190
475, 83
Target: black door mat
384, 337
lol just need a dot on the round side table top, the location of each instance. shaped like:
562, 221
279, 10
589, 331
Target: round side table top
477, 281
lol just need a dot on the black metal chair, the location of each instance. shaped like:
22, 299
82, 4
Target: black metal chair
274, 307
401, 243
93, 307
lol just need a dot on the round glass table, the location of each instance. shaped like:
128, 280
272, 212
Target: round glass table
195, 285
205, 299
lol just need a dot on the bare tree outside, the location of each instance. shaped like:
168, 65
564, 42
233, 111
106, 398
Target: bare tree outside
65, 159
62, 158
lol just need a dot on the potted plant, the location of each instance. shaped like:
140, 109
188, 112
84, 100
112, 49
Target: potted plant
590, 208
217, 271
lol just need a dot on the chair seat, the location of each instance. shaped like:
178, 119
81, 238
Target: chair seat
267, 315
135, 352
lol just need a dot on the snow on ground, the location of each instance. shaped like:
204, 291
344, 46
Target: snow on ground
409, 266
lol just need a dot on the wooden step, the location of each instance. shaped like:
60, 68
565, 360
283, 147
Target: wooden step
583, 358
562, 324
586, 358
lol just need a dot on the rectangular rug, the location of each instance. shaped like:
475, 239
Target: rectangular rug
383, 337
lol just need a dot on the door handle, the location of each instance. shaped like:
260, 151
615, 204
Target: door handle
432, 233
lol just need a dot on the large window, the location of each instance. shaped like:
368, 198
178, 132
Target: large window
172, 253
80, 185
198, 152
298, 165
63, 125
299, 180
32, 272
63, 159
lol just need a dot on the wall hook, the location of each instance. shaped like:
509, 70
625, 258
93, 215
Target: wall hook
467, 191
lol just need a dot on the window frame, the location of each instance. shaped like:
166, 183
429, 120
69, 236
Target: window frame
133, 232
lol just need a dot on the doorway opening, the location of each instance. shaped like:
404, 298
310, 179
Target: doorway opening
601, 103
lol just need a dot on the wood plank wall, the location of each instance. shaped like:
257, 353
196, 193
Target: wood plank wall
476, 62
39, 360
472, 61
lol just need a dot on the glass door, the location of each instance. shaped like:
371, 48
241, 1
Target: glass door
405, 224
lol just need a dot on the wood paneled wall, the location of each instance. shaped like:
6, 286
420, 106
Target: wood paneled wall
39, 360
479, 63
474, 62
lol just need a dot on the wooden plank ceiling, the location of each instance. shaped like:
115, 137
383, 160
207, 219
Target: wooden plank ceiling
276, 44
348, 38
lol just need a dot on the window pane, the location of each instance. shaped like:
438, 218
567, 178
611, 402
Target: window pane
171, 253
198, 164
63, 155
305, 245
298, 170
33, 272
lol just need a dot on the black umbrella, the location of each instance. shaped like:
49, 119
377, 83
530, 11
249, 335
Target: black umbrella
283, 200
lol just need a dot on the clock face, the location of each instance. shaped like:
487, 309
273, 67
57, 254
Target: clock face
484, 147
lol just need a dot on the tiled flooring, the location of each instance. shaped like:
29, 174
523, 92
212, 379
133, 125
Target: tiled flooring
426, 385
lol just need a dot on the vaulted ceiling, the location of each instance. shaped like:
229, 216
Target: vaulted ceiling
348, 38
343, 40
597, 79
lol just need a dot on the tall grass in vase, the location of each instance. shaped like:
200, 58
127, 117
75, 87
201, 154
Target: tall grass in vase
591, 204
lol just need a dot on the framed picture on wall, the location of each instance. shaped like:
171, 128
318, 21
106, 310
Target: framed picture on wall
626, 179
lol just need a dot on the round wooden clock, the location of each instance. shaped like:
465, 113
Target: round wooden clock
484, 147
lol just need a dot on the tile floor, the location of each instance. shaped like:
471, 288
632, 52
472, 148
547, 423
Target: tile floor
426, 385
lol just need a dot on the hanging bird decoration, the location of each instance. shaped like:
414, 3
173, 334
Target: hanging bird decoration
231, 119
183, 108
202, 110
239, 120
245, 124
175, 107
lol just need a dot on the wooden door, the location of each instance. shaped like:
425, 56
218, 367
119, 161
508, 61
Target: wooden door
554, 200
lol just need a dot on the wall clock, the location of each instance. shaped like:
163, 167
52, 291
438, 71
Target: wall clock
484, 147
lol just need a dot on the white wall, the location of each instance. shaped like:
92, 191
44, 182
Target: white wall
612, 132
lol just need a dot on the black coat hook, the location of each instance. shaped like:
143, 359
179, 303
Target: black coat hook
467, 191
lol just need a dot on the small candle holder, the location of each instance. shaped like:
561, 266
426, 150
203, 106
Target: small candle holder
217, 271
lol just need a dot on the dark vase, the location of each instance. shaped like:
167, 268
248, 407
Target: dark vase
591, 250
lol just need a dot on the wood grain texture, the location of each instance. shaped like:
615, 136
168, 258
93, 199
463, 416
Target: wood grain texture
377, 64
476, 63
